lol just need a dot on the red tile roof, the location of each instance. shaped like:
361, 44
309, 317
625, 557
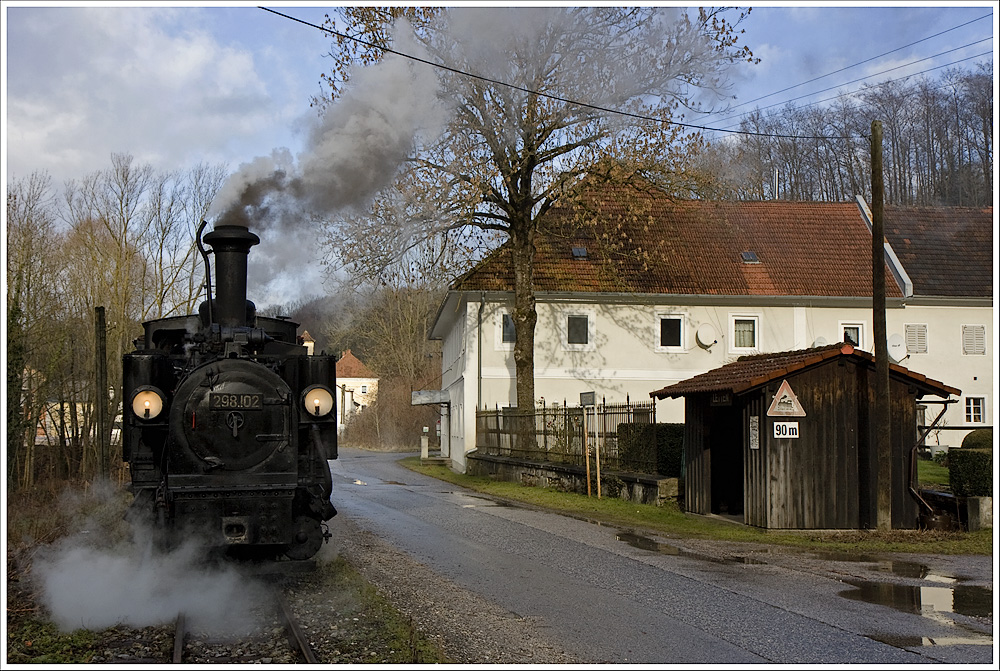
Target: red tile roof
946, 251
349, 366
752, 371
644, 242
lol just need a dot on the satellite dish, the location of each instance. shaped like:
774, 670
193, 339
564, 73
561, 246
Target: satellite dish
820, 341
706, 335
897, 347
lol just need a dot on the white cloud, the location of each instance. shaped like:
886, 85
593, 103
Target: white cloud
85, 82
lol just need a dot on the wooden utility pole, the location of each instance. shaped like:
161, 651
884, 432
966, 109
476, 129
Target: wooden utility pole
101, 392
881, 416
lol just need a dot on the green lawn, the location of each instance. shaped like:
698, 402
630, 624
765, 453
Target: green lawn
932, 475
671, 521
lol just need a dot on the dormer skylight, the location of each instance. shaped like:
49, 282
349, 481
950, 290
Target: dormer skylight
579, 252
749, 257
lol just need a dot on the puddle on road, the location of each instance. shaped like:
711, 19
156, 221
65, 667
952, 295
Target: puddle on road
933, 601
960, 599
927, 641
487, 502
646, 543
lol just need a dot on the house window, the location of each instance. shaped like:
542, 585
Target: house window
744, 331
973, 339
916, 338
507, 329
577, 330
671, 333
975, 407
853, 333
364, 389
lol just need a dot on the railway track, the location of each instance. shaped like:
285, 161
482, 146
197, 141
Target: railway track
235, 650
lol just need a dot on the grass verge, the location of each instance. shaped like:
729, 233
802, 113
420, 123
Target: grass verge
40, 517
387, 632
671, 521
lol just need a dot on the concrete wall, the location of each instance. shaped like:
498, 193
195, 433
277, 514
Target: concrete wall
568, 478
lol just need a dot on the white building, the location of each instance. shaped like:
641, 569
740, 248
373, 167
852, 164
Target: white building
650, 291
357, 387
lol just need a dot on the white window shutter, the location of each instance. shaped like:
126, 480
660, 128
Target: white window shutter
916, 338
973, 339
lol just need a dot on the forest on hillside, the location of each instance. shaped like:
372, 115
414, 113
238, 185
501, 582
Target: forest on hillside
937, 145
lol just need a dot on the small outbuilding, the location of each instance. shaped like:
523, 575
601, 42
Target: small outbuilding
787, 441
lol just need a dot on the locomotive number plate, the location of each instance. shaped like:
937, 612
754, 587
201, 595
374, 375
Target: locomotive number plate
218, 401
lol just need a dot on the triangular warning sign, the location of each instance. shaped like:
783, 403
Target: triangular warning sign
785, 403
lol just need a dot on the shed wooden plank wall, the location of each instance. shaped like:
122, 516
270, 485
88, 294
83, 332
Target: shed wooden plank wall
813, 479
755, 477
697, 460
903, 434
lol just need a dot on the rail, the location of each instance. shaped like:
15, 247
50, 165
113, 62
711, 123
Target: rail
295, 634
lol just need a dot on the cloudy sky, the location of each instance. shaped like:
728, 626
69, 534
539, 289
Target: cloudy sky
177, 84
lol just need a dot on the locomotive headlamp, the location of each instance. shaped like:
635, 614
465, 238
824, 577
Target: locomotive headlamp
317, 400
147, 403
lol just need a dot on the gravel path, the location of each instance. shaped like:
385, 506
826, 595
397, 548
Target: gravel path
469, 628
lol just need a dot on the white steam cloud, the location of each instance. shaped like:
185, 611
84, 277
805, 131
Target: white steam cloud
94, 588
109, 573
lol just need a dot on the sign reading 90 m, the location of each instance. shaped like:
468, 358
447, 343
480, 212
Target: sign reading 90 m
220, 401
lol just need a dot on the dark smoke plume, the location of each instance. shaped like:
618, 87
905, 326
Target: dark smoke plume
351, 153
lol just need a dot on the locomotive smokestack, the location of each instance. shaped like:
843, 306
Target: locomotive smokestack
231, 245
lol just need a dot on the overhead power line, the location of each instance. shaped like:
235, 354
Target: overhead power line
568, 101
860, 79
867, 60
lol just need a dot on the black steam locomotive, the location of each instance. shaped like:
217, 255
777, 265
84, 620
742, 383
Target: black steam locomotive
229, 423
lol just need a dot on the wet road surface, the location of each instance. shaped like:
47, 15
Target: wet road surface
612, 595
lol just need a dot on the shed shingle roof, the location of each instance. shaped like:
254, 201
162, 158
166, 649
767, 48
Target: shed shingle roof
749, 372
644, 242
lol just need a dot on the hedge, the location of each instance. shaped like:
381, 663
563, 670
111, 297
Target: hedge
651, 448
980, 439
970, 471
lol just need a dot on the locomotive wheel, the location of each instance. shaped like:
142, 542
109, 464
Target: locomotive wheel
307, 540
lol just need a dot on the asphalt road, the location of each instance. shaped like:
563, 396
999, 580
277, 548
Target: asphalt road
614, 596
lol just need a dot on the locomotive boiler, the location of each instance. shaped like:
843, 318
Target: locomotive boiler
229, 423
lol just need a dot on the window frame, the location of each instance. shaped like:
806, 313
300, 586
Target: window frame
743, 316
981, 410
500, 344
862, 332
590, 345
658, 332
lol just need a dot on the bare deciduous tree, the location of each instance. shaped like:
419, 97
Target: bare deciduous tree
532, 120
32, 301
129, 247
938, 145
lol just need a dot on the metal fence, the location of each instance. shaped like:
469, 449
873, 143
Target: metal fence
563, 435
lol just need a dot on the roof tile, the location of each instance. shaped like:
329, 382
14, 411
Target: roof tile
946, 251
752, 371
642, 242
349, 366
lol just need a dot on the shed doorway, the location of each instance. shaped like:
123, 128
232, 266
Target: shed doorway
726, 462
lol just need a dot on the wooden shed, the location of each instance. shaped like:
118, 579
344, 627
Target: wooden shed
786, 440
